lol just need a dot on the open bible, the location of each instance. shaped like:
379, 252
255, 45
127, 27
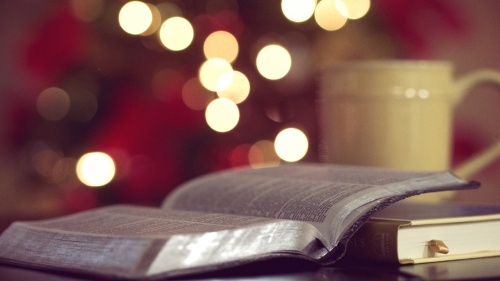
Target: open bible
221, 220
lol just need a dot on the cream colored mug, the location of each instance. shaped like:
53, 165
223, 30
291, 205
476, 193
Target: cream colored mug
393, 113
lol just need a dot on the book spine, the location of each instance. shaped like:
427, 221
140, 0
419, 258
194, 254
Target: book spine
375, 241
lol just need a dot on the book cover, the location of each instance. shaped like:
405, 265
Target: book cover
408, 232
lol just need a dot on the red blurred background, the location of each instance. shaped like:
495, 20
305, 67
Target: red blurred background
156, 140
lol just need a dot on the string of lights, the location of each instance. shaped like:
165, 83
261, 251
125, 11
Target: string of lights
220, 87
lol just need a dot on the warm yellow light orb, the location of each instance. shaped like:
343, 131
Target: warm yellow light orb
176, 33
221, 44
155, 21
353, 9
211, 72
238, 89
222, 115
291, 144
135, 17
328, 16
95, 169
274, 62
298, 10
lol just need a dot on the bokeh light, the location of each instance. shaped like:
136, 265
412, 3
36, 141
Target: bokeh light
211, 71
221, 44
135, 17
273, 62
95, 169
238, 89
53, 104
353, 9
291, 144
222, 115
155, 21
262, 154
298, 10
176, 33
328, 16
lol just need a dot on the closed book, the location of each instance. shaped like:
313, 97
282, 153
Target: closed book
410, 233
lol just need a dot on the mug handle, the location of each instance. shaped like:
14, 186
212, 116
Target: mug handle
482, 159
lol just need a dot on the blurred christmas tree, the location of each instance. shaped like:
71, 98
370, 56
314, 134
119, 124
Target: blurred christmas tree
127, 79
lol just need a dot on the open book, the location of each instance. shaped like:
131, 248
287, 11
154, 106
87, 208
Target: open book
221, 220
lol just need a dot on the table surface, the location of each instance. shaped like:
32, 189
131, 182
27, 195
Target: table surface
473, 269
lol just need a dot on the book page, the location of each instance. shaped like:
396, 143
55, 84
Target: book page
123, 220
135, 242
329, 196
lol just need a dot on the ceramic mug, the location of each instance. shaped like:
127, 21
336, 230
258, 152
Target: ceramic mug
392, 113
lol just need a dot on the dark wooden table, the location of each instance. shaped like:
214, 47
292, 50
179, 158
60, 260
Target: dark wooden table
474, 269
